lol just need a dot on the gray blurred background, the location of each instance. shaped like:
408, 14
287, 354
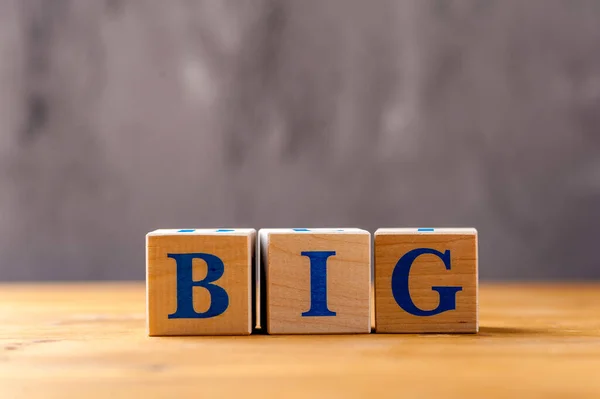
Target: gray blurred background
119, 117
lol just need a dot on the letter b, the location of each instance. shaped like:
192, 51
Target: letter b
219, 300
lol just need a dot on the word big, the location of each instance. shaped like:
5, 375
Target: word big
311, 281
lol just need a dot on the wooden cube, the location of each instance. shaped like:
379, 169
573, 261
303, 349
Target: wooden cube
318, 281
426, 280
198, 281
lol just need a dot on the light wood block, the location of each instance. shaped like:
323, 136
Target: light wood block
318, 281
198, 281
426, 280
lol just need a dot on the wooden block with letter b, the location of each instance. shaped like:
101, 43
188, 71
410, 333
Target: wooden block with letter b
198, 281
426, 280
318, 281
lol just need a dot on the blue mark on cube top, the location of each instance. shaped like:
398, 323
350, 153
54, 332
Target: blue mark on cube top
224, 230
425, 229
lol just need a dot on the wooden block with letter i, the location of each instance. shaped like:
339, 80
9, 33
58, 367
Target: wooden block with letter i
318, 281
198, 281
426, 280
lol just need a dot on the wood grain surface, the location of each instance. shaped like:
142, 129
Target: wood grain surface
89, 341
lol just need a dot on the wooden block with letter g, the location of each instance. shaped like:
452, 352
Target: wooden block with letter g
318, 281
198, 281
426, 280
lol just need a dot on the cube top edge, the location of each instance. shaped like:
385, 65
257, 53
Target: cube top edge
191, 231
320, 230
426, 230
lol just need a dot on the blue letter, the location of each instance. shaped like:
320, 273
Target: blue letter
318, 283
400, 284
219, 300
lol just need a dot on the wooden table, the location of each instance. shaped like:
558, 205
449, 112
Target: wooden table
88, 340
